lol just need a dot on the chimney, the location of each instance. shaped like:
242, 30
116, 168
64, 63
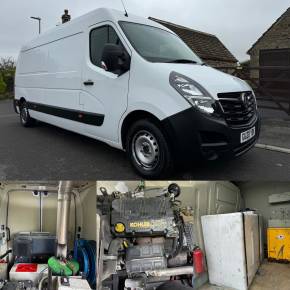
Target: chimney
65, 17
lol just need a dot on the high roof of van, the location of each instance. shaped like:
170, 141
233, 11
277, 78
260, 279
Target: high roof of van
79, 24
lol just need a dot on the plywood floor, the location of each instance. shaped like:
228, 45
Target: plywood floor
271, 276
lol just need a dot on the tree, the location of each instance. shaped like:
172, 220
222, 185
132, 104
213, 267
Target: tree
2, 85
7, 64
7, 70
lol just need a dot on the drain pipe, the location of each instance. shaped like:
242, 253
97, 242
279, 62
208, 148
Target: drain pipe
63, 211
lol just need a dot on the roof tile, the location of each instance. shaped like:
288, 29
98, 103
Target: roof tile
207, 46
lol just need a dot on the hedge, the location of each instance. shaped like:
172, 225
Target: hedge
3, 85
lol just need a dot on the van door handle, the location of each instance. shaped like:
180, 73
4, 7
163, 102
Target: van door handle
88, 83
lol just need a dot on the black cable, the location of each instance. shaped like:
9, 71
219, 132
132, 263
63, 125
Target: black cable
5, 254
177, 247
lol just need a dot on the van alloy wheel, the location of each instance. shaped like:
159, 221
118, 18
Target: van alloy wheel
145, 149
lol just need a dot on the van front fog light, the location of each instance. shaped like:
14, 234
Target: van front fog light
194, 93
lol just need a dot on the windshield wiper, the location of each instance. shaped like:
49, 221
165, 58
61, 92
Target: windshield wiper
182, 61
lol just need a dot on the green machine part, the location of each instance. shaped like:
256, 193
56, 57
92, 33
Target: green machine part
66, 268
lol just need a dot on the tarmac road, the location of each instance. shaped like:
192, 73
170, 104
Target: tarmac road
49, 153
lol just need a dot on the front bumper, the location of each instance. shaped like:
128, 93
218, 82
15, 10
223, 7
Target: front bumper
192, 134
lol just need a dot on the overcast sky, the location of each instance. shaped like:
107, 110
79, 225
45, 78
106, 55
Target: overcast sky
238, 23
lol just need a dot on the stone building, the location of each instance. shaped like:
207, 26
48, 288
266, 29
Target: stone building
207, 46
272, 49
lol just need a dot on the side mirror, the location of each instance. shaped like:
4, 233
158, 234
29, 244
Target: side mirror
115, 59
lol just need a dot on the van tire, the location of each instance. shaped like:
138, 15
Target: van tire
25, 119
145, 135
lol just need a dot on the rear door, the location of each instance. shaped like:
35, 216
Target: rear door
103, 92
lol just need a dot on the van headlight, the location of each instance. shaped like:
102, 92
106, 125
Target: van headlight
193, 92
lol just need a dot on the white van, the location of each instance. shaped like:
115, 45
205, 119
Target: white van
134, 84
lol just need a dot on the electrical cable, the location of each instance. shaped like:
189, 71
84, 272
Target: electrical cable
5, 254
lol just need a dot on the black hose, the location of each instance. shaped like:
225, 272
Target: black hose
177, 246
5, 254
49, 281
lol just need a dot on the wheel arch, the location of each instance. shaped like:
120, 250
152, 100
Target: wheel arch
133, 117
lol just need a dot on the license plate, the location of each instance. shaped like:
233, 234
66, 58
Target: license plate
247, 135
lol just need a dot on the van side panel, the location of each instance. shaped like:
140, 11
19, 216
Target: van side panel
31, 64
50, 75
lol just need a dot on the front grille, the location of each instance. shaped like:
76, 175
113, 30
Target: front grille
238, 108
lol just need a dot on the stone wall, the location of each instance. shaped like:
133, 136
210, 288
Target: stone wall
225, 66
278, 37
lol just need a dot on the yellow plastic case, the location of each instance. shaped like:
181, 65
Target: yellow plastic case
279, 244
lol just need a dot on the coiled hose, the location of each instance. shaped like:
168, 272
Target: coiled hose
85, 254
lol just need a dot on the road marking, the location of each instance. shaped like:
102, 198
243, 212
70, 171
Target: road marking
273, 148
7, 116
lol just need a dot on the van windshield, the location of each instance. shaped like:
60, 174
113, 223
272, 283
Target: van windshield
158, 45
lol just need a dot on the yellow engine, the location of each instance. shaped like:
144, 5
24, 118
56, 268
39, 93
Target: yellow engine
279, 244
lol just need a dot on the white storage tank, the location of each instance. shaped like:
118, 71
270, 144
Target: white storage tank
232, 248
